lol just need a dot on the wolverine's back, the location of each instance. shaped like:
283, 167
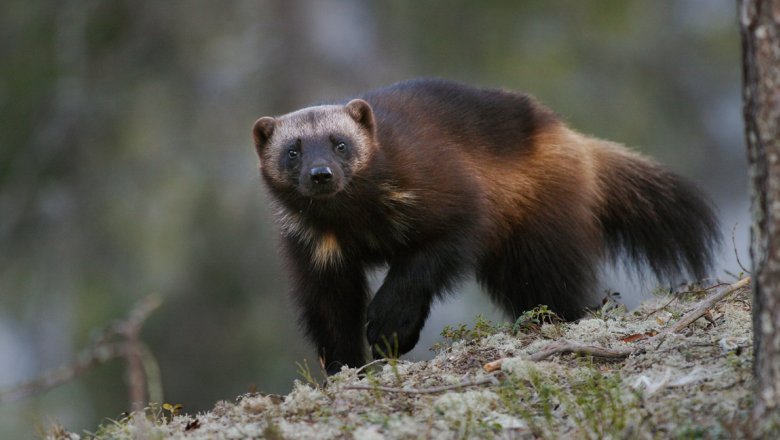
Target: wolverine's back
454, 115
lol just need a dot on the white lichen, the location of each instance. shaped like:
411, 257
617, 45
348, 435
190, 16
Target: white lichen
370, 432
469, 404
257, 404
304, 399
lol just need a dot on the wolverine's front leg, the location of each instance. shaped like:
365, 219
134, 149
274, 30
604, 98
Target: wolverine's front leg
332, 298
399, 309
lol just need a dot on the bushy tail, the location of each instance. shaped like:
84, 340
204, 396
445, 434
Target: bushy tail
654, 216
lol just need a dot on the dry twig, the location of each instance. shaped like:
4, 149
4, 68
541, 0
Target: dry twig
736, 253
674, 297
372, 363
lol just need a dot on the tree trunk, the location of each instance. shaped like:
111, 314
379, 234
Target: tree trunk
760, 30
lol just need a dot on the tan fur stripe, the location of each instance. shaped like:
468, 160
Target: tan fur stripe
326, 251
397, 199
561, 166
402, 197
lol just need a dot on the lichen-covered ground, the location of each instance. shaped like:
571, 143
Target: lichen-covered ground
695, 384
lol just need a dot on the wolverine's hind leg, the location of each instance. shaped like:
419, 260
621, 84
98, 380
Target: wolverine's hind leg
552, 264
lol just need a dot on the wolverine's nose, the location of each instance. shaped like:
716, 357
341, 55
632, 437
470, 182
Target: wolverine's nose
321, 174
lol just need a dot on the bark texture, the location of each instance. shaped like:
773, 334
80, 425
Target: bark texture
760, 30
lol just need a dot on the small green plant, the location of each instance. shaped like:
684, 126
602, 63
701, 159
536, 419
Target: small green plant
156, 416
391, 354
611, 307
484, 327
534, 400
462, 332
347, 429
600, 407
481, 328
373, 381
390, 349
272, 430
305, 372
599, 404
465, 428
172, 409
734, 360
456, 333
531, 321
155, 413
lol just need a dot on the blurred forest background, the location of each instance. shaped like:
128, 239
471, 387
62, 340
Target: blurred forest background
126, 164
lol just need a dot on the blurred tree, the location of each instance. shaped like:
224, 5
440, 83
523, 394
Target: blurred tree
760, 29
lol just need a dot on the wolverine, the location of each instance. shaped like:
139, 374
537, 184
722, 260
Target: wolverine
439, 180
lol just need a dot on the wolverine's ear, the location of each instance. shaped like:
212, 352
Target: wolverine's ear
262, 131
361, 112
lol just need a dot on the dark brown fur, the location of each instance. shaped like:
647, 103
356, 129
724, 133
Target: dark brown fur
439, 179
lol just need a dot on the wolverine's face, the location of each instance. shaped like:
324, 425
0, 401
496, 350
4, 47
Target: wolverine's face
316, 150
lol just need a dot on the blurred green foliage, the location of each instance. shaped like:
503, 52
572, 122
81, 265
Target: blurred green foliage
126, 164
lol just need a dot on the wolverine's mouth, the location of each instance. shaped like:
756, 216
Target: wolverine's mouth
320, 191
321, 182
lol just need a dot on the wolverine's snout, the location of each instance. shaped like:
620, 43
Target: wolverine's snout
321, 175
321, 180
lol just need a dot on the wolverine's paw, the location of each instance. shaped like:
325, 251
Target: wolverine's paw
392, 329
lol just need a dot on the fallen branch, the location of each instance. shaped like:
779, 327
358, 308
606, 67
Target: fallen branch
702, 308
561, 347
50, 379
434, 390
142, 369
564, 347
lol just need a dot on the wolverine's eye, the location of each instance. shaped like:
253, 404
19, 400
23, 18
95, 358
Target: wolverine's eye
292, 154
341, 147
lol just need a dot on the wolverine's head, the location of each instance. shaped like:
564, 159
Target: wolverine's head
316, 150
